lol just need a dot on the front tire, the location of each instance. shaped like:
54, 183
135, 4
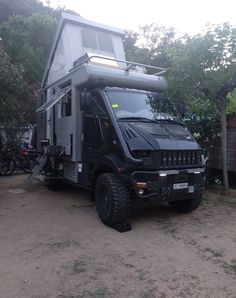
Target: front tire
187, 205
112, 199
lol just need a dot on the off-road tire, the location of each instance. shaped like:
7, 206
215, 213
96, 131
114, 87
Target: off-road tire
187, 205
112, 199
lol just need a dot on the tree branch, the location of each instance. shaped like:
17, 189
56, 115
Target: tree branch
228, 87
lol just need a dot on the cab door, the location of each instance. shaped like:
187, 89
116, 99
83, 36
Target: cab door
97, 132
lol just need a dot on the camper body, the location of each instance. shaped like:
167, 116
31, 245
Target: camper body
109, 129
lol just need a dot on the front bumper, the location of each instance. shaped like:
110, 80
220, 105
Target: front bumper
168, 184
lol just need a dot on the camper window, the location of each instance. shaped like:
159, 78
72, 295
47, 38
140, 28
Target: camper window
66, 105
97, 40
89, 39
104, 42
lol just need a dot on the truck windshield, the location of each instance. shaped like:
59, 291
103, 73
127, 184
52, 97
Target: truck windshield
142, 105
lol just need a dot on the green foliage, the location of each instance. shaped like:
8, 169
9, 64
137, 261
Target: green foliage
203, 120
150, 45
201, 72
17, 104
231, 107
204, 64
28, 41
133, 51
21, 7
27, 28
158, 40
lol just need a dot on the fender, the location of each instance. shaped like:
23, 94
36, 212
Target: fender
110, 161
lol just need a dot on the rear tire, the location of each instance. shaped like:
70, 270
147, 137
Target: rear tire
53, 184
187, 205
112, 199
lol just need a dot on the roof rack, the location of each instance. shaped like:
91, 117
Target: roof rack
129, 65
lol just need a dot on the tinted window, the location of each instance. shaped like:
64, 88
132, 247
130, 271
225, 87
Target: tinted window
142, 104
95, 109
94, 105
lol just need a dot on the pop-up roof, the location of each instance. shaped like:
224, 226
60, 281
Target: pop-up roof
77, 36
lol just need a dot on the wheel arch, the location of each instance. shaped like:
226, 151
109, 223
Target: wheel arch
108, 164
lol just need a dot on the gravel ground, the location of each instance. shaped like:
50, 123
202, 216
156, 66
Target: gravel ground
54, 245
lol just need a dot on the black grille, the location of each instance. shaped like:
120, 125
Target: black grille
180, 158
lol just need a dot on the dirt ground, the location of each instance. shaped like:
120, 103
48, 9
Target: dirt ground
54, 245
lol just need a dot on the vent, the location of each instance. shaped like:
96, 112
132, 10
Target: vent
181, 159
128, 134
71, 171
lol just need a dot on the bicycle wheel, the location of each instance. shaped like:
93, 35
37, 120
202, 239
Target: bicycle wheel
29, 164
4, 165
12, 166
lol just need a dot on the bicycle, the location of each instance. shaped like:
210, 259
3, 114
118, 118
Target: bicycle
23, 159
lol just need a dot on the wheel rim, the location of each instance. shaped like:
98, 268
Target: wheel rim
103, 202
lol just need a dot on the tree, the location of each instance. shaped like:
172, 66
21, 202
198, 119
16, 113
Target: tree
202, 118
27, 29
17, 104
150, 45
28, 41
132, 51
22, 7
231, 108
205, 67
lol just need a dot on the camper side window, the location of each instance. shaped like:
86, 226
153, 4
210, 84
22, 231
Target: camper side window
99, 41
104, 42
89, 39
66, 105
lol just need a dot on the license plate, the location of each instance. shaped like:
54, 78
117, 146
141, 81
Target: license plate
180, 186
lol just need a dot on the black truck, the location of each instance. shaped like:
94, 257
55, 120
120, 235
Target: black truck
114, 131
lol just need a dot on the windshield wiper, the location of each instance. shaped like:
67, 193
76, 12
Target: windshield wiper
170, 121
134, 118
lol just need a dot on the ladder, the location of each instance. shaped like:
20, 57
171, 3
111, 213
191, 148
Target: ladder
38, 168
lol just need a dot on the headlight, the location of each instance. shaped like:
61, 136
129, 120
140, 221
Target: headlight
141, 153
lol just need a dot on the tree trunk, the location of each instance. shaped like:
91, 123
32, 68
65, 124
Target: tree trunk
224, 146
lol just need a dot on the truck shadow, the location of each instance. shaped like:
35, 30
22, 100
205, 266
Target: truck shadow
149, 211
139, 210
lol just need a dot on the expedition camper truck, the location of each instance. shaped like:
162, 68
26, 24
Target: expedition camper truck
109, 128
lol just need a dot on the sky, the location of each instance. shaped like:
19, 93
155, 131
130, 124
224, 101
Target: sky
186, 16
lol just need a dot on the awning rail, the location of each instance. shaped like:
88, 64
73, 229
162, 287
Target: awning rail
53, 100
